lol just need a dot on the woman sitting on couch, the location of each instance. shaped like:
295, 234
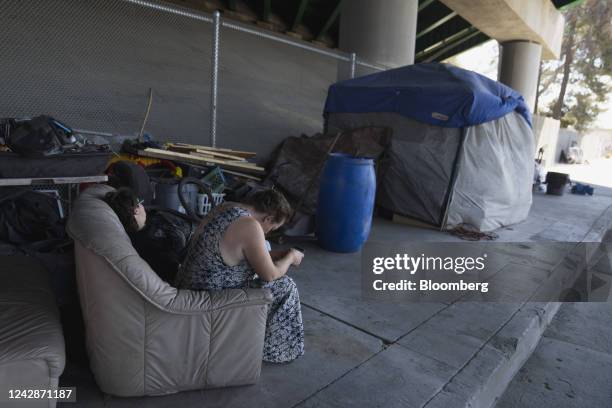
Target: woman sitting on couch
229, 248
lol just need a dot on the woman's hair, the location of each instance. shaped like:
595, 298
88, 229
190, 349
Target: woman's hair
123, 201
272, 203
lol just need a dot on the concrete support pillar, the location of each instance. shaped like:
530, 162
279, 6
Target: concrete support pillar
382, 32
519, 67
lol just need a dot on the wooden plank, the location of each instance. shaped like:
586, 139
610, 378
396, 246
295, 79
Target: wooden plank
192, 150
240, 153
206, 156
221, 155
181, 149
239, 162
244, 163
188, 158
246, 155
247, 176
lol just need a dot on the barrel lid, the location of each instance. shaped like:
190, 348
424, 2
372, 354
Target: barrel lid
350, 159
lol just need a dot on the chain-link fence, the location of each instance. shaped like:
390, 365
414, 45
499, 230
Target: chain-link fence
91, 64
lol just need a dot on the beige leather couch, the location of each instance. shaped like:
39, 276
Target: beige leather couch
145, 337
31, 341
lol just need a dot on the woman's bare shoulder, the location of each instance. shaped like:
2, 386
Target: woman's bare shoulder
244, 231
249, 224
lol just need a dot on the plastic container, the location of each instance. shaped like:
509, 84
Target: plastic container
166, 194
204, 205
556, 182
346, 203
215, 180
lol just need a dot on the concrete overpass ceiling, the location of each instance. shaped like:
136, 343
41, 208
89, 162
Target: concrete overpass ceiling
316, 15
441, 32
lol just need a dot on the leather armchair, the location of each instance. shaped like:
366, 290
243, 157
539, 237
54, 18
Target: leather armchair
32, 352
145, 337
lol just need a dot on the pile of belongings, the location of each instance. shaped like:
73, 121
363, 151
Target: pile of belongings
42, 136
44, 147
235, 162
32, 224
296, 165
169, 178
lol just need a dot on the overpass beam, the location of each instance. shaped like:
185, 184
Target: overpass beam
507, 20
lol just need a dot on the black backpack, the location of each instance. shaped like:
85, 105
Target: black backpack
163, 242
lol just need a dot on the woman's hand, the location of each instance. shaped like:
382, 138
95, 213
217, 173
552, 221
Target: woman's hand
296, 256
247, 234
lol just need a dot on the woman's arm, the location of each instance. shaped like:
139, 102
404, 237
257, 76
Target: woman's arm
254, 248
278, 254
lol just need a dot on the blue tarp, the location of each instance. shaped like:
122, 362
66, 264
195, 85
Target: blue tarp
434, 93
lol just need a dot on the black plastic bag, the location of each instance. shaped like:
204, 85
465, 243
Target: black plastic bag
39, 137
28, 216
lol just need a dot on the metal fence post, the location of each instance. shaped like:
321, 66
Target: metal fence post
214, 78
353, 64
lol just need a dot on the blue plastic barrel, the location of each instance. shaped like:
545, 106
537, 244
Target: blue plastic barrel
346, 202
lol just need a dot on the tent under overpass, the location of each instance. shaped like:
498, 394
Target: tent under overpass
462, 149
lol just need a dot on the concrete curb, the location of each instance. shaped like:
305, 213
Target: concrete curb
484, 379
486, 376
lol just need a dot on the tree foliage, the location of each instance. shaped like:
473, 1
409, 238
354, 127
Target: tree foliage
581, 80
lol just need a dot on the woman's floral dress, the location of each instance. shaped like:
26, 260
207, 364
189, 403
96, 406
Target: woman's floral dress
204, 269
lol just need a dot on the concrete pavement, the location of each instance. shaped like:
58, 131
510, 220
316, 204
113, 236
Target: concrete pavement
367, 353
572, 365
